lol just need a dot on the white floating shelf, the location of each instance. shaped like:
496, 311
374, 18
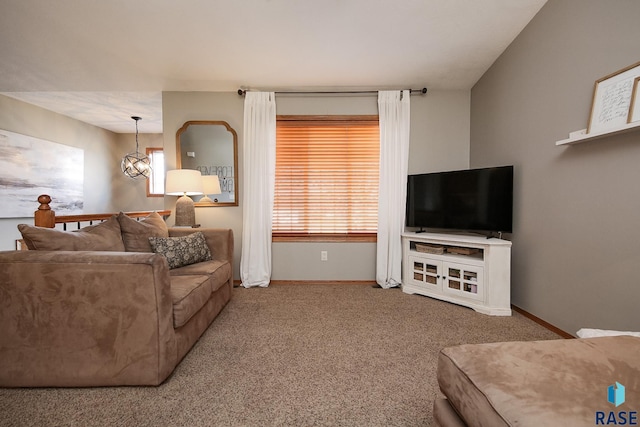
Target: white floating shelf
584, 137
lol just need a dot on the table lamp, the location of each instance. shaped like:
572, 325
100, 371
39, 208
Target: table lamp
211, 186
184, 183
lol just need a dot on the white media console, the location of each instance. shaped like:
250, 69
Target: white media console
470, 270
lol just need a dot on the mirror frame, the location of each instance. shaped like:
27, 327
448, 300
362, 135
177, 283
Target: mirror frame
184, 127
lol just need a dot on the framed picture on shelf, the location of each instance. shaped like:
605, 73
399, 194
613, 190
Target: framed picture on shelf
634, 109
612, 99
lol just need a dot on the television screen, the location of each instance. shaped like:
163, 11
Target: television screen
474, 200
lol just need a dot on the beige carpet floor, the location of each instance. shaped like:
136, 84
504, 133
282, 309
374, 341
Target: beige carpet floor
291, 355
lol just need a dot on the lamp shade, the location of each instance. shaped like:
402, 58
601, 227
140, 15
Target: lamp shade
211, 184
183, 182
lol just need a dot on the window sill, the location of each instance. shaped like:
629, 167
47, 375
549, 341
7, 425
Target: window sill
325, 237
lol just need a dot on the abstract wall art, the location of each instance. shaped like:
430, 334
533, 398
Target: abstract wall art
30, 167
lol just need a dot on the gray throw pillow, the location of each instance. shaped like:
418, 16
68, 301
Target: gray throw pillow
181, 251
104, 236
135, 234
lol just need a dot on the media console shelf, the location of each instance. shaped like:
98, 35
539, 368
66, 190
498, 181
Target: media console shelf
469, 270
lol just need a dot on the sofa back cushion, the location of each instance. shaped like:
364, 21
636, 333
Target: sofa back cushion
135, 234
105, 236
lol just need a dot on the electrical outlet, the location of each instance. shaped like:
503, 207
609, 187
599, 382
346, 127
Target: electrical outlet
323, 255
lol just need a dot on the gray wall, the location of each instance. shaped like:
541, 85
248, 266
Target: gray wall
439, 141
98, 145
181, 107
105, 188
576, 244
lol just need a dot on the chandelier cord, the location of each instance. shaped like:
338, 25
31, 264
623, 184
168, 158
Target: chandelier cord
136, 119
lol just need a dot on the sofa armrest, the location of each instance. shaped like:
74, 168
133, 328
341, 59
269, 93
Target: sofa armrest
85, 318
219, 240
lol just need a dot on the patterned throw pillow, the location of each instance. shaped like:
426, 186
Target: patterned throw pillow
181, 251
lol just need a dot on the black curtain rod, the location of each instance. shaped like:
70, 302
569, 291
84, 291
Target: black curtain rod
422, 91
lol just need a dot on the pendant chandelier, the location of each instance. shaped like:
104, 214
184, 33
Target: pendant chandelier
136, 165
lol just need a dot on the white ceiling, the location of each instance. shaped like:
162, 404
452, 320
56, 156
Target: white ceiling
103, 61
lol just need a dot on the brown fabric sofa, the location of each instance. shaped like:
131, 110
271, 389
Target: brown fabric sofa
107, 317
539, 383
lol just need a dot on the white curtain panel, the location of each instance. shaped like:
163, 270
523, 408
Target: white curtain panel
259, 165
394, 111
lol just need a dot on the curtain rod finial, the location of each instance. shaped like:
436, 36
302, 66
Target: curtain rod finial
241, 92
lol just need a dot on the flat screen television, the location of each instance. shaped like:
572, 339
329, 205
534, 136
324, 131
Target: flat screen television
466, 200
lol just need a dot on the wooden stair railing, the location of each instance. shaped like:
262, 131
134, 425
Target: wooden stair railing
46, 217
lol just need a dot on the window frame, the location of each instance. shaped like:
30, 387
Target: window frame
150, 153
348, 237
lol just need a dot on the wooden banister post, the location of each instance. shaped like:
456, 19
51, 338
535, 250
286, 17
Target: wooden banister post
44, 216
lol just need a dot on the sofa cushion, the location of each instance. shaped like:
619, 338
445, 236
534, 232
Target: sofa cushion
538, 383
189, 294
445, 415
135, 234
219, 271
104, 236
181, 251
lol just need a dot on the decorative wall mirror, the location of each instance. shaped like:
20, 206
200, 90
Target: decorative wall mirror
212, 148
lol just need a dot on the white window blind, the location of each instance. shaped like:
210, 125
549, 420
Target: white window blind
327, 172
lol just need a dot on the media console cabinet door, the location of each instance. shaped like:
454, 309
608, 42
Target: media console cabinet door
425, 272
464, 281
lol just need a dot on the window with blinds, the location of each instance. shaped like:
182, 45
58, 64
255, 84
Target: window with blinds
326, 185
